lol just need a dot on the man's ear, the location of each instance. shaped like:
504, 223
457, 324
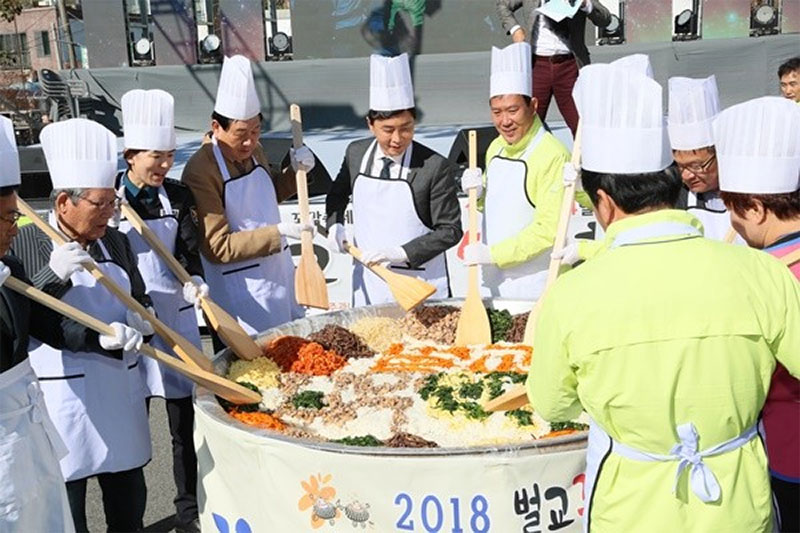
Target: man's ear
534, 104
60, 204
606, 209
758, 212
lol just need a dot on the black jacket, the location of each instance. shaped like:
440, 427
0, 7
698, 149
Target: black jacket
433, 187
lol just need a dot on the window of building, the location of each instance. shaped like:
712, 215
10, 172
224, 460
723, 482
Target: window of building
43, 43
14, 51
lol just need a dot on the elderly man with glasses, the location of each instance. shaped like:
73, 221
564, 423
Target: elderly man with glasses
95, 396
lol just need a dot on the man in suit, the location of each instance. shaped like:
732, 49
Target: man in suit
405, 209
559, 49
32, 490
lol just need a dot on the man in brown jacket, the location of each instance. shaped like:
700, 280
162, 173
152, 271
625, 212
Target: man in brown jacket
559, 48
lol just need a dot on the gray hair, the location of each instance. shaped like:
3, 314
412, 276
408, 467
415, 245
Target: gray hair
74, 194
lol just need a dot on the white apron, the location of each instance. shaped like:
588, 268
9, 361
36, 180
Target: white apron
259, 292
33, 496
167, 295
96, 402
384, 216
712, 213
685, 453
507, 211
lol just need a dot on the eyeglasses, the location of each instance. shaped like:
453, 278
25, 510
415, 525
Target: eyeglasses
111, 204
13, 219
701, 169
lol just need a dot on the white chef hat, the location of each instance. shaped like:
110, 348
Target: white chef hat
80, 154
622, 123
511, 70
148, 119
236, 93
693, 106
9, 156
758, 146
390, 86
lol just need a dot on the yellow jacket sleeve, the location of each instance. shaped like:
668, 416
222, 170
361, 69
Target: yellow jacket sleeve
545, 188
552, 384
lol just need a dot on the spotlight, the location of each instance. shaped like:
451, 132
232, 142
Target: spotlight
142, 52
764, 18
280, 45
614, 33
211, 49
685, 27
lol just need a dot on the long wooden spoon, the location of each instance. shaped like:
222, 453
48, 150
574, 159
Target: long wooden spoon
220, 386
310, 288
187, 351
228, 328
473, 323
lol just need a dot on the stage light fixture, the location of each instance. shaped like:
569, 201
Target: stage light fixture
764, 18
686, 25
211, 49
280, 44
142, 55
614, 33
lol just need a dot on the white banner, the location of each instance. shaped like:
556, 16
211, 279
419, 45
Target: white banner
250, 482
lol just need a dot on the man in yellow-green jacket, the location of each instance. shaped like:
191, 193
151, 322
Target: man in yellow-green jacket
672, 353
524, 185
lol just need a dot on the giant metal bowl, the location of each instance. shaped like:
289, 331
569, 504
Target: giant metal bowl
265, 481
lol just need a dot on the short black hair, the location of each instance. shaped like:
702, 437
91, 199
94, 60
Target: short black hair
791, 65
8, 190
226, 122
785, 206
636, 192
373, 115
525, 97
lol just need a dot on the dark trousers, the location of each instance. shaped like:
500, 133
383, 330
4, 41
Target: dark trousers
787, 495
124, 499
180, 415
556, 79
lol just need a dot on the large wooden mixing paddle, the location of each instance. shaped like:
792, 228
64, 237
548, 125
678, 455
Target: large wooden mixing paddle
473, 324
227, 327
310, 288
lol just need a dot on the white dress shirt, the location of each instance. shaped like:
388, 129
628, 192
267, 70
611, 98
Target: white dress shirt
548, 43
377, 163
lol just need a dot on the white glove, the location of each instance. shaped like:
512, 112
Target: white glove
289, 229
194, 291
138, 323
472, 178
336, 238
477, 254
4, 273
568, 255
302, 158
125, 338
66, 259
570, 176
395, 255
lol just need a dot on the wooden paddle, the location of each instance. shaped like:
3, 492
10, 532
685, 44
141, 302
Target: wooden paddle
473, 323
225, 325
791, 258
187, 351
220, 386
310, 288
517, 395
730, 236
408, 291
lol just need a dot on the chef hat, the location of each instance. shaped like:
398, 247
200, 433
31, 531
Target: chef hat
758, 146
693, 105
390, 86
236, 93
80, 154
148, 120
9, 157
622, 123
639, 63
511, 70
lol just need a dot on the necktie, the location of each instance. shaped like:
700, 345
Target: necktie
387, 162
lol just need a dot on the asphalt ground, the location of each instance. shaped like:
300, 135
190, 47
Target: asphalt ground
159, 514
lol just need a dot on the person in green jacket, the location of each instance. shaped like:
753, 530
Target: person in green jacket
674, 343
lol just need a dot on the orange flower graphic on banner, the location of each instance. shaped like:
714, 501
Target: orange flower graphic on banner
318, 498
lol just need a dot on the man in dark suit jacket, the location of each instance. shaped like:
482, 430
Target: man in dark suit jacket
559, 49
428, 176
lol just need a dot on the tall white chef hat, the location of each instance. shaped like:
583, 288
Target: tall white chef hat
80, 154
693, 106
390, 86
9, 156
622, 122
511, 70
148, 119
236, 93
758, 146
